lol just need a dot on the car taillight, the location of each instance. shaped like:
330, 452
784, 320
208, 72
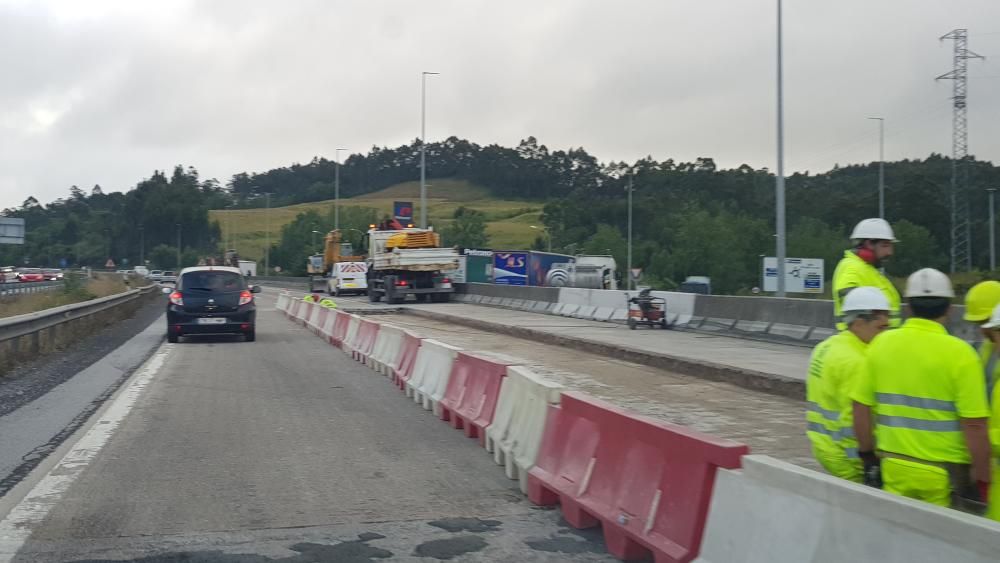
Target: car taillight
446, 280
177, 299
401, 284
245, 297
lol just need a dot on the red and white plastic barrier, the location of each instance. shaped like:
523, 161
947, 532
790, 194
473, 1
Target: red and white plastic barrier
402, 366
470, 398
646, 482
516, 432
430, 375
365, 340
387, 346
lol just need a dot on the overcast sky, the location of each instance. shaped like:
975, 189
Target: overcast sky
104, 91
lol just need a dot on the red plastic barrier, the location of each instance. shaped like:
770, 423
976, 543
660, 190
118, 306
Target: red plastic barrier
473, 390
340, 329
304, 311
648, 483
367, 333
406, 359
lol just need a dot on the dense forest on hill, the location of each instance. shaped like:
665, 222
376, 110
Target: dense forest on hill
690, 218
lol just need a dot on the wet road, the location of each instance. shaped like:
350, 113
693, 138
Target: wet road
284, 449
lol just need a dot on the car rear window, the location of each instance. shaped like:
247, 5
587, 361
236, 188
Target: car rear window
214, 281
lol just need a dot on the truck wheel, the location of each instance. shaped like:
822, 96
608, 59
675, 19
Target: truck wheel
374, 296
421, 297
444, 298
396, 300
336, 292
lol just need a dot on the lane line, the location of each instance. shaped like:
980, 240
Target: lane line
17, 526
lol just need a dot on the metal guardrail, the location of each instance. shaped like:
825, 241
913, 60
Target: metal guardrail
21, 325
20, 288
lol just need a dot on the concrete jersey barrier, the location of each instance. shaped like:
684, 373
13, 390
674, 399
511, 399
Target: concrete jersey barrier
776, 512
519, 420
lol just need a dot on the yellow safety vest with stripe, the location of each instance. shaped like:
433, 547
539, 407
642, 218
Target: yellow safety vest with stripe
991, 365
852, 271
834, 364
920, 381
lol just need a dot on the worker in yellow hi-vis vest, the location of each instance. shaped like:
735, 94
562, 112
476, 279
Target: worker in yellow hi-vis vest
873, 242
922, 396
979, 305
832, 368
991, 329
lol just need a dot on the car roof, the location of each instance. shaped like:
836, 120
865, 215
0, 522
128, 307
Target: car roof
212, 269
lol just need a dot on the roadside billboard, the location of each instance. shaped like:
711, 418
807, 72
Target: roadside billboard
546, 269
11, 230
402, 211
510, 268
478, 266
802, 275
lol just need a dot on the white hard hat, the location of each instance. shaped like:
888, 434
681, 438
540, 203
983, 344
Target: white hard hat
874, 229
928, 282
994, 321
865, 299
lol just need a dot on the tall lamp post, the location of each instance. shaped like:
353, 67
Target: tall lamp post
178, 246
142, 245
993, 228
267, 234
547, 234
630, 283
423, 147
779, 179
314, 233
336, 188
881, 165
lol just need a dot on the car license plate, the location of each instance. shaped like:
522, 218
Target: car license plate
350, 285
212, 320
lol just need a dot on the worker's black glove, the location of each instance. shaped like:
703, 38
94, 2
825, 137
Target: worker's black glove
872, 469
971, 498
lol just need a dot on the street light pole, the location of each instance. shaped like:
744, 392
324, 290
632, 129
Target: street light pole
629, 273
178, 246
142, 246
779, 180
881, 165
336, 189
267, 234
423, 148
314, 233
993, 226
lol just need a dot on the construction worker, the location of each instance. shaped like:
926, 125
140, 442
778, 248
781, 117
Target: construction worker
873, 242
832, 369
327, 302
309, 298
921, 393
991, 329
979, 305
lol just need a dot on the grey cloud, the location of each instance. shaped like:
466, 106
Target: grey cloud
234, 86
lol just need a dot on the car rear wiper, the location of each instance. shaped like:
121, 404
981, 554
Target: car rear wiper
198, 288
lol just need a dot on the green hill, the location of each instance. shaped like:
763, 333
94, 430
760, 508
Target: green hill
508, 221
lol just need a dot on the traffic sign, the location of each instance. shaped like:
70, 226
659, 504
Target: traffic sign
109, 264
636, 272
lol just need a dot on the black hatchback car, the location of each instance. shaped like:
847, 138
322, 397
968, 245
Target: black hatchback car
211, 300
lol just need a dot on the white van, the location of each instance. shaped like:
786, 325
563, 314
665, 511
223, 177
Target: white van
348, 277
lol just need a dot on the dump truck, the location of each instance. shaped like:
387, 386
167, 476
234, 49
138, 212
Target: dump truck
409, 261
338, 270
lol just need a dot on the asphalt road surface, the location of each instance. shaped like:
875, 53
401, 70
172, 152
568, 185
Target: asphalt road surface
281, 450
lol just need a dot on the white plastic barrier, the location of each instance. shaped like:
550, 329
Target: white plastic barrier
304, 311
282, 303
516, 431
314, 315
431, 372
775, 512
352, 334
387, 345
327, 329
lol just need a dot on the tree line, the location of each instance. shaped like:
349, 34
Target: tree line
690, 218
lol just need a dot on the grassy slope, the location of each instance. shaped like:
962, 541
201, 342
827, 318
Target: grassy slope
509, 221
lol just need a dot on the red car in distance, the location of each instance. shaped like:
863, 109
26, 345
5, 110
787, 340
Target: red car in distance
31, 275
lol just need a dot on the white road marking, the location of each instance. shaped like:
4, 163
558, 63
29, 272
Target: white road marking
17, 526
